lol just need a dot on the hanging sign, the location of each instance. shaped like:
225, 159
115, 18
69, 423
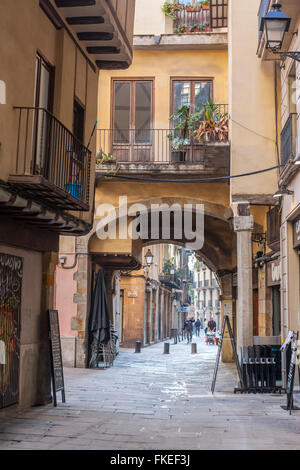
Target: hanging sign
297, 233
274, 272
56, 357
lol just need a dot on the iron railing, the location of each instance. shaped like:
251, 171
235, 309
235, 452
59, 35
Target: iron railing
288, 139
158, 145
202, 20
45, 147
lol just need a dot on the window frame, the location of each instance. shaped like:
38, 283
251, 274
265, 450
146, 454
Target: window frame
192, 80
132, 81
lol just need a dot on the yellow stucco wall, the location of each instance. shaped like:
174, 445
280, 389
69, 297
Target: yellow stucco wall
26, 30
162, 65
251, 103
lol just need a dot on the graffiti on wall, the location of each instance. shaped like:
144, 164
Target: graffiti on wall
11, 272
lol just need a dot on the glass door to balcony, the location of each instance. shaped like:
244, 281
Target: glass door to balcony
132, 120
43, 104
194, 93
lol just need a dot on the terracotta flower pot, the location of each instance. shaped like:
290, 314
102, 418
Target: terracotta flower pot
190, 8
205, 7
178, 6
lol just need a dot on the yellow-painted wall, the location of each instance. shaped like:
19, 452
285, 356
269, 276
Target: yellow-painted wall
26, 30
162, 66
251, 103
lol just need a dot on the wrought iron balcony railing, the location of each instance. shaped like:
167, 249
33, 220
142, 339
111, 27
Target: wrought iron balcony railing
163, 145
288, 139
51, 163
200, 19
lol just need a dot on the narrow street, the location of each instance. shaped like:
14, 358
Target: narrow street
155, 401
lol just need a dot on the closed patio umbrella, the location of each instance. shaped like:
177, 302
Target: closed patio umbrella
99, 327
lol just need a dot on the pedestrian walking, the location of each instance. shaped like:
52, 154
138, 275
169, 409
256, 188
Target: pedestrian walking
188, 326
197, 326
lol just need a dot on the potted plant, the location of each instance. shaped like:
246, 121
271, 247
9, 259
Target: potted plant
104, 158
180, 29
208, 124
194, 7
206, 5
179, 137
170, 7
207, 27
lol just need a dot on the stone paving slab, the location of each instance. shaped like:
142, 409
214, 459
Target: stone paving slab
155, 401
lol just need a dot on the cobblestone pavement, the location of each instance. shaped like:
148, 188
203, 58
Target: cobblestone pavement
155, 401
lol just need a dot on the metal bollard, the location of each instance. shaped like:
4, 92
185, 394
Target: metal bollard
194, 348
166, 348
138, 346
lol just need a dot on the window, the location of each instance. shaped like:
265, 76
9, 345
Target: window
132, 111
78, 121
44, 89
191, 92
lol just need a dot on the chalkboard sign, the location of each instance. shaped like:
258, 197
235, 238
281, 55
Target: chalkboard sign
291, 374
56, 357
238, 366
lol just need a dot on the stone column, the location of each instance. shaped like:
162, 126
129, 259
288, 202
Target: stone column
243, 226
151, 316
82, 299
162, 314
156, 334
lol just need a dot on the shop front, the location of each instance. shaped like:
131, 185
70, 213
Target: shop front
274, 283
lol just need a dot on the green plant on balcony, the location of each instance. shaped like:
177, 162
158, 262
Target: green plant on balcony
209, 124
205, 4
194, 6
103, 158
168, 264
195, 28
170, 7
179, 137
180, 29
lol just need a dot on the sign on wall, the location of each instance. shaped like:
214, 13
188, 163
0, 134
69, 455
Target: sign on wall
274, 272
297, 233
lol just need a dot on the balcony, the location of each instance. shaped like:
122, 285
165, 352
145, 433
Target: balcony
288, 139
207, 147
171, 281
199, 20
104, 28
52, 165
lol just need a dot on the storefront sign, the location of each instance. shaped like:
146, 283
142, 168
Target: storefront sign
274, 273
56, 356
297, 233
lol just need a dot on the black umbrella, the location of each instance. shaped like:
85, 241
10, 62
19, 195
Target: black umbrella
99, 327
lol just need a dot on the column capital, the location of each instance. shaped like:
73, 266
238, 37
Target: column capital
243, 223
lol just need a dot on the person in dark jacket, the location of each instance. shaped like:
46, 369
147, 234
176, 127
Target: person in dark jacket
188, 326
197, 326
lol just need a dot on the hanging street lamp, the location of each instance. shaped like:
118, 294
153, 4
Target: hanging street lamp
149, 258
276, 24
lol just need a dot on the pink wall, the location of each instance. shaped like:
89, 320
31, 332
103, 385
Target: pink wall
65, 288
